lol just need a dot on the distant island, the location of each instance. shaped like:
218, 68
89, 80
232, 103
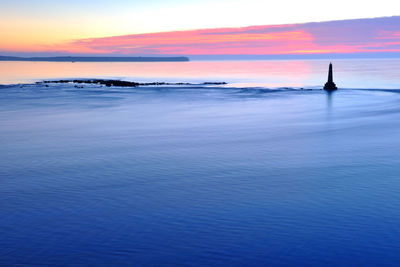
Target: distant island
96, 59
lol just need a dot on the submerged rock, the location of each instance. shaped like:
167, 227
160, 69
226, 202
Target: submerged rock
119, 83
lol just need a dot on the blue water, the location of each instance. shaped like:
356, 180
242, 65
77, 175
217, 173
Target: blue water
101, 176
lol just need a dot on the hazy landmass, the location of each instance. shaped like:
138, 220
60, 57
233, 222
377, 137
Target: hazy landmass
96, 59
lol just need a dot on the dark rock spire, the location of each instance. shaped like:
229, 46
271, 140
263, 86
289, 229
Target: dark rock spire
330, 85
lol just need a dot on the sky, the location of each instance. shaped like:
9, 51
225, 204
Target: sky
83, 27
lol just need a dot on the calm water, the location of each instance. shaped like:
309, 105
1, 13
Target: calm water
200, 176
360, 73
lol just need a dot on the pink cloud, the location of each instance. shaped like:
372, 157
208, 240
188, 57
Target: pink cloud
388, 35
347, 36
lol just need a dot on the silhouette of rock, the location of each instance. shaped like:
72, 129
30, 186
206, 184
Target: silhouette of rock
119, 83
330, 85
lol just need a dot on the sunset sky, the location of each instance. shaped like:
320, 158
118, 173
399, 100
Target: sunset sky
173, 27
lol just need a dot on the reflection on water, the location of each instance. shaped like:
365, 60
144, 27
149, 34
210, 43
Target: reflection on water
354, 73
198, 177
329, 96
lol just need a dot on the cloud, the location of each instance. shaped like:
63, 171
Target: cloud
346, 36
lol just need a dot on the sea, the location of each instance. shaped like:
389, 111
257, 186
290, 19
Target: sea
266, 170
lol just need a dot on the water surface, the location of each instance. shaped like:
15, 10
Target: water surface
348, 73
202, 176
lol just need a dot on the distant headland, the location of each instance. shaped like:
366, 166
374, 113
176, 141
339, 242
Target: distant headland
96, 59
